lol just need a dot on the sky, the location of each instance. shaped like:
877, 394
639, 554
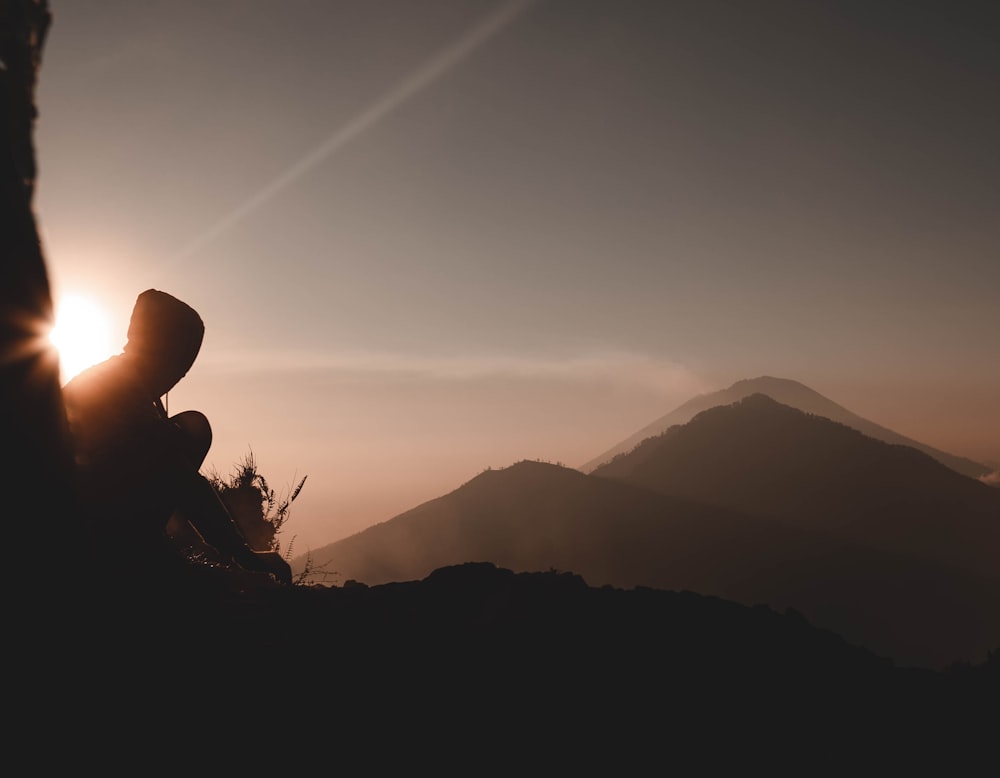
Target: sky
431, 238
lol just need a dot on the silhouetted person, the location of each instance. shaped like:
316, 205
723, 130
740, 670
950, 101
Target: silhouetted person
136, 466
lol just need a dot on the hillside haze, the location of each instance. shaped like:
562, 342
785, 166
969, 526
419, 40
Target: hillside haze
756, 502
795, 395
539, 516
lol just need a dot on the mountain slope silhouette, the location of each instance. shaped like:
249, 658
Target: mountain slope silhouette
535, 516
895, 581
769, 459
786, 392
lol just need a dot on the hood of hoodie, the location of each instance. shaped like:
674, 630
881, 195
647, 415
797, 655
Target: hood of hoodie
164, 333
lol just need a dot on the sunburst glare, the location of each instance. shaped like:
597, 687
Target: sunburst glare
81, 335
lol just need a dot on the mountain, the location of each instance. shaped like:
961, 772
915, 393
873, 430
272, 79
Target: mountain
791, 393
768, 459
615, 528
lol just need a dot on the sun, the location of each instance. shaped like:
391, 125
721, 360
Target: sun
81, 335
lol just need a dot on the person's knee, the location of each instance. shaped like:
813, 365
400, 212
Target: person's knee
197, 435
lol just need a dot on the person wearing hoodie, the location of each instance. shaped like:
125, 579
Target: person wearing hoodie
138, 468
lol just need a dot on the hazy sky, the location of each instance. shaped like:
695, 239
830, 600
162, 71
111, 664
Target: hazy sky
431, 237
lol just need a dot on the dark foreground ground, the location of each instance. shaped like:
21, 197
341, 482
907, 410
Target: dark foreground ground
473, 665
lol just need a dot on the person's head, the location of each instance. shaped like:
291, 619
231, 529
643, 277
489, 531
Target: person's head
164, 338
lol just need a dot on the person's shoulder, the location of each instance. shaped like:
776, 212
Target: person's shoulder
99, 372
113, 377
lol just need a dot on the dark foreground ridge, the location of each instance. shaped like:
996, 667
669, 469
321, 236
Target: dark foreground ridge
476, 649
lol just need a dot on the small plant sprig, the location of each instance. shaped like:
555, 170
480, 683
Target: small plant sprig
261, 514
258, 510
313, 573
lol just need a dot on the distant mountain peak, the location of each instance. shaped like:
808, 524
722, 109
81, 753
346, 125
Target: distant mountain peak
795, 395
769, 380
766, 384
